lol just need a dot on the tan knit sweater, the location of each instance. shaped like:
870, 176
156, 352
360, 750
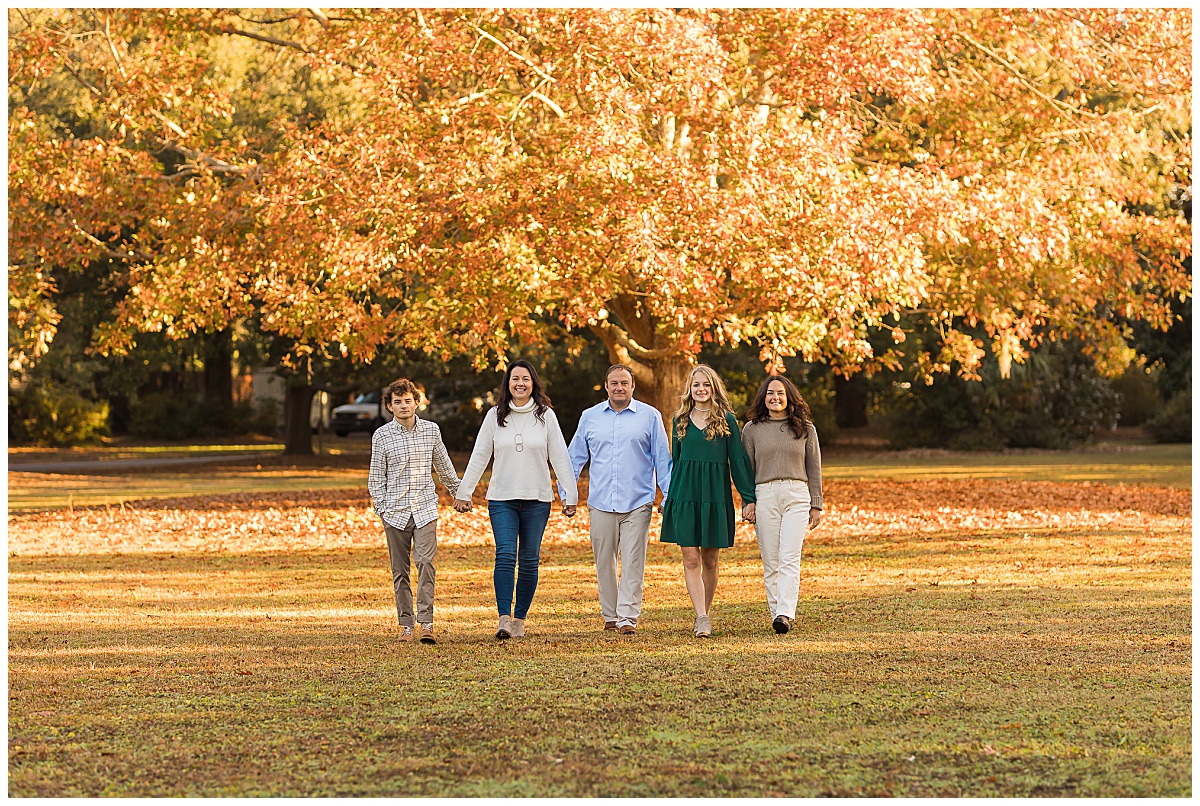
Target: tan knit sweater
776, 454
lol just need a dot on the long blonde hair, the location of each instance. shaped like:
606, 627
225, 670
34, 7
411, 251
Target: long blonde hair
718, 425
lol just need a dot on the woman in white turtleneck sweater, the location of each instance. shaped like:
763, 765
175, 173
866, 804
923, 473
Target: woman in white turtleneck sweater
520, 433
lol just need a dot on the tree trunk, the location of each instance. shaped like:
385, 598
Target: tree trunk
297, 430
218, 372
662, 383
850, 401
660, 372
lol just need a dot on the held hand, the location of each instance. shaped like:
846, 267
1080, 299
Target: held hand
461, 505
748, 513
569, 510
814, 518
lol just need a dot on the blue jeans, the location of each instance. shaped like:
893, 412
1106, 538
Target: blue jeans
518, 527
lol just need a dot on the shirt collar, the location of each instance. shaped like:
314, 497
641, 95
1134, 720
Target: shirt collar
633, 406
416, 425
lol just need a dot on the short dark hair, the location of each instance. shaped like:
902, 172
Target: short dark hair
616, 367
402, 386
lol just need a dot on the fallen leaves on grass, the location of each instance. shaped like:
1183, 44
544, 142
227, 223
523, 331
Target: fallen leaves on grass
331, 519
866, 509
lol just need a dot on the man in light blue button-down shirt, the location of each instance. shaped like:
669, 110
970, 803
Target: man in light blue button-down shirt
629, 452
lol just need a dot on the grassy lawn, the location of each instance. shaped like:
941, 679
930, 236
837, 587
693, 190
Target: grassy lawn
111, 487
1158, 465
35, 491
1019, 638
17, 455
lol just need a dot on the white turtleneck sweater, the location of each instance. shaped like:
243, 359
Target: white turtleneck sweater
520, 474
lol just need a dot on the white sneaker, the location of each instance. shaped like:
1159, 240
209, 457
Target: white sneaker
504, 629
518, 627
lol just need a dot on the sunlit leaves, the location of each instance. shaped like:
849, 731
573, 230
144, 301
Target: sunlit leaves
858, 510
460, 179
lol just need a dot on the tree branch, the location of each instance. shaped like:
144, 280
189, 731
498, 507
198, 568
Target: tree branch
113, 50
553, 106
242, 16
606, 334
226, 28
170, 124
108, 250
508, 50
81, 79
216, 165
607, 331
1021, 77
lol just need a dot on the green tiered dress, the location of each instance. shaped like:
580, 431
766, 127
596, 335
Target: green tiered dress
699, 507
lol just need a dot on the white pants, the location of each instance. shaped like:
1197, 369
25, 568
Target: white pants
624, 535
780, 521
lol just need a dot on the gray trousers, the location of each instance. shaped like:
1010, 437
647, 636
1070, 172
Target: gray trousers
625, 535
421, 542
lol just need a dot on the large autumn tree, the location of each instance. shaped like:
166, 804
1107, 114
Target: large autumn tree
796, 178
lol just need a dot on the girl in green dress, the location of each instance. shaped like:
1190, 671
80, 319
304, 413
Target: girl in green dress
698, 513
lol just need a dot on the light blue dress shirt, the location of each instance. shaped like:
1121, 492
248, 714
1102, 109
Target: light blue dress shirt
628, 449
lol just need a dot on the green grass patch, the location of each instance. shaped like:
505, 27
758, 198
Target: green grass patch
110, 452
1157, 465
37, 491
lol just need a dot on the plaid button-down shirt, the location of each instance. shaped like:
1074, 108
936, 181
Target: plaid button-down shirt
401, 478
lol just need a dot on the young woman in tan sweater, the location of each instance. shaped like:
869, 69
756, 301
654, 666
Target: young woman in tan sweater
781, 442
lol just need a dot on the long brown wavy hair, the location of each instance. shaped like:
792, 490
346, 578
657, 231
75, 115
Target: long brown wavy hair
799, 415
541, 400
717, 425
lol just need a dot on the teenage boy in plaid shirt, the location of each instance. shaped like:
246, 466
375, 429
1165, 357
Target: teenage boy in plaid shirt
404, 453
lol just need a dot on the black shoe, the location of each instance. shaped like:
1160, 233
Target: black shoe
781, 624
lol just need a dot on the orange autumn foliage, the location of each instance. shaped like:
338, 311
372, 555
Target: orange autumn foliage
788, 177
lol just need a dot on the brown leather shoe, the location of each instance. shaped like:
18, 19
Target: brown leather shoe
629, 629
610, 626
406, 634
427, 634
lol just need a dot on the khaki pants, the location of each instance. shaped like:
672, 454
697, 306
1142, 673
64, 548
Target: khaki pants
625, 535
421, 543
781, 521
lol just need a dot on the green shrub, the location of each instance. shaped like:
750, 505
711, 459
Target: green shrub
1174, 422
819, 395
1054, 400
460, 424
163, 416
173, 417
1139, 395
55, 416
